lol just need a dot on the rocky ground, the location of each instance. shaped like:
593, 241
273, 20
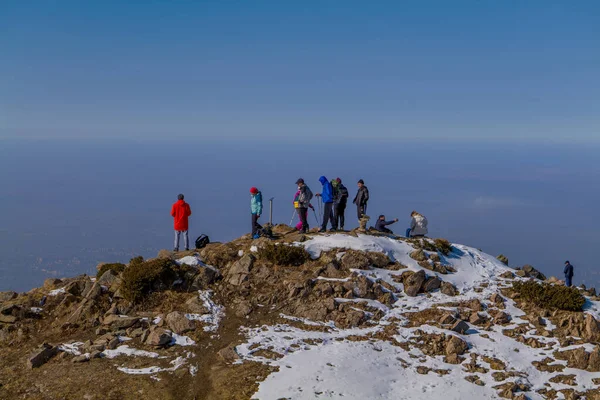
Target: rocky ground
346, 315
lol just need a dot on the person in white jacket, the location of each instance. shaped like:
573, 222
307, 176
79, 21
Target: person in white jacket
418, 225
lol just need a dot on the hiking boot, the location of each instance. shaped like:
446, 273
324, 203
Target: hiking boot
321, 230
187, 249
256, 236
176, 249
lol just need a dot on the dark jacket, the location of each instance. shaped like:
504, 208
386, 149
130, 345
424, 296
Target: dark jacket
362, 196
380, 224
340, 195
305, 196
327, 194
569, 271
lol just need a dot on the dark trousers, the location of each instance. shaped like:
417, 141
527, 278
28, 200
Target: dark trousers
327, 215
255, 225
568, 280
338, 216
361, 210
303, 213
385, 230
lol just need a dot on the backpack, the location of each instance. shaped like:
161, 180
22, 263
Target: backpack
266, 231
202, 241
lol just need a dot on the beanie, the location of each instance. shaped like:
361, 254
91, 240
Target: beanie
253, 190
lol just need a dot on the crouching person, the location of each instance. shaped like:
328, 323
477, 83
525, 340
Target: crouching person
418, 225
381, 224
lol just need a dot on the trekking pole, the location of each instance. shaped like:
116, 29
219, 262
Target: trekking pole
316, 219
271, 211
293, 215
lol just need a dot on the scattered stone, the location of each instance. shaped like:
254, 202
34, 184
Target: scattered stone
456, 346
120, 321
243, 309
502, 318
432, 284
196, 306
460, 326
503, 259
6, 296
476, 319
108, 278
240, 270
418, 255
8, 319
158, 337
228, 354
178, 323
113, 343
412, 285
507, 275
447, 319
423, 370
496, 298
448, 289
42, 355
80, 359
354, 259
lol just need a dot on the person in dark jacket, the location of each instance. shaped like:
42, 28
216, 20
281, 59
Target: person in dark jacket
327, 197
340, 199
381, 224
304, 199
361, 199
568, 274
256, 208
180, 211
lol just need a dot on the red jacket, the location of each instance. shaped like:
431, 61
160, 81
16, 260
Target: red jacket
180, 212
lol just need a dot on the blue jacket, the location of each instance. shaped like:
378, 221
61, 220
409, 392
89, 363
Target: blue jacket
327, 194
569, 270
256, 203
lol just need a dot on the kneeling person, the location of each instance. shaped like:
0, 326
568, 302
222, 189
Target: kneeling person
381, 224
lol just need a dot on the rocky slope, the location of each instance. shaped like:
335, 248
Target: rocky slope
344, 315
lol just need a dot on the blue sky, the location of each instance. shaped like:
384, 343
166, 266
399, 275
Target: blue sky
486, 70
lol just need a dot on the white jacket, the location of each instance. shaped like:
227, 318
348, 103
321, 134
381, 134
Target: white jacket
418, 225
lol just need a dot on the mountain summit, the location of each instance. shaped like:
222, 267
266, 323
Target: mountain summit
304, 316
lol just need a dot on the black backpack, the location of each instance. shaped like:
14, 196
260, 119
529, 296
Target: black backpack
202, 241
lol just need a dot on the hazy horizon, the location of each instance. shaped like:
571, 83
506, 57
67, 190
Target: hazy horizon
67, 205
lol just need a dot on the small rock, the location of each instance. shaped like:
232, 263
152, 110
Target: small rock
243, 309
42, 355
447, 319
158, 337
432, 284
476, 319
503, 259
120, 322
114, 343
95, 354
178, 323
80, 359
412, 285
460, 326
196, 306
6, 296
448, 289
240, 270
228, 354
418, 255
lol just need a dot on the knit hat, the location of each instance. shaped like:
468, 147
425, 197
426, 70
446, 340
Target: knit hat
361, 181
253, 190
180, 196
299, 181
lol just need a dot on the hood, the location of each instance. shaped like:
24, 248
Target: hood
323, 180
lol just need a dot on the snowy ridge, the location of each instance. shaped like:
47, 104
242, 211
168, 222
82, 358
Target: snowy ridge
353, 363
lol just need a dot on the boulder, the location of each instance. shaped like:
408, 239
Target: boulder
119, 321
157, 337
240, 270
576, 358
476, 319
51, 283
205, 277
456, 346
533, 273
432, 284
108, 278
196, 306
41, 356
448, 289
594, 360
353, 259
228, 354
460, 326
178, 323
502, 318
503, 259
447, 319
6, 296
496, 298
418, 255
412, 284
591, 329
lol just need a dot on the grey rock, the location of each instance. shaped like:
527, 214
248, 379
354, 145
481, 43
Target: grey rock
196, 306
240, 270
412, 285
41, 355
6, 296
119, 322
448, 289
432, 284
460, 326
178, 323
81, 359
158, 337
108, 278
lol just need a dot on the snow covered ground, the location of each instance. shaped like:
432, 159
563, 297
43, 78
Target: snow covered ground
328, 364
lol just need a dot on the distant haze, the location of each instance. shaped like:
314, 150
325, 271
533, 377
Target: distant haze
66, 205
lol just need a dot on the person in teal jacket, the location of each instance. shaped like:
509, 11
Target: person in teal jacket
256, 208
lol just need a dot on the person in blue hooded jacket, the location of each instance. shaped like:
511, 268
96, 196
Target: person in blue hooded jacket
568, 274
327, 197
256, 208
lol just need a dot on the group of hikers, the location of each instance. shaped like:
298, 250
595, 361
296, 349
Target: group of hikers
334, 197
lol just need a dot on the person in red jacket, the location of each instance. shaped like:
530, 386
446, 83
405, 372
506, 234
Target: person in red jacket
180, 213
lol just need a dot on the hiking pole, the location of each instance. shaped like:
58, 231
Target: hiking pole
316, 219
271, 211
293, 215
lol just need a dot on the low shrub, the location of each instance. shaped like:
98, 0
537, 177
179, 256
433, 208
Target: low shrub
443, 246
283, 254
549, 296
142, 277
116, 267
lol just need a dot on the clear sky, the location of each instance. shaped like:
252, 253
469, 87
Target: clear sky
492, 70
